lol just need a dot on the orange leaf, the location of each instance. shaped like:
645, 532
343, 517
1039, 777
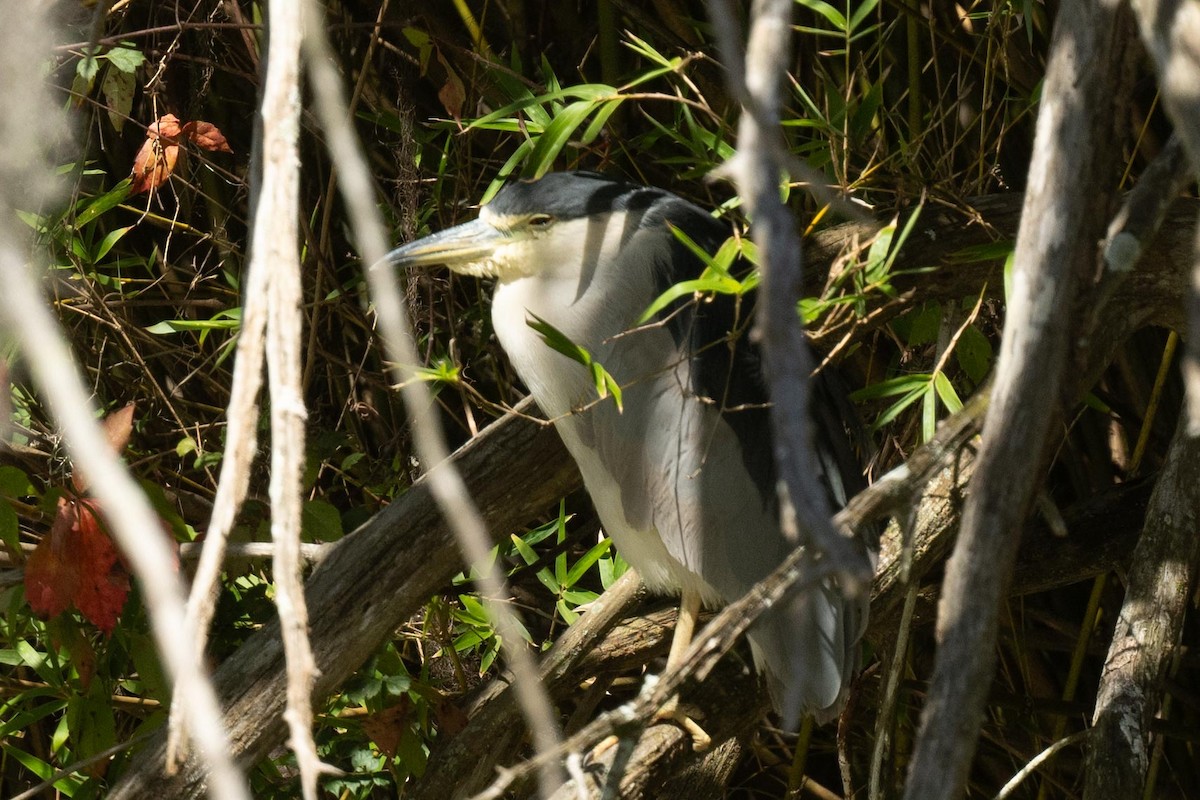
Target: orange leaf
387, 726
154, 164
167, 127
117, 428
207, 136
156, 159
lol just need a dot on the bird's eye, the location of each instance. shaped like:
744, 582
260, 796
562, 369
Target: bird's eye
540, 221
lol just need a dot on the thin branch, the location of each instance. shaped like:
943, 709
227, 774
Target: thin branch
274, 248
24, 46
445, 483
757, 79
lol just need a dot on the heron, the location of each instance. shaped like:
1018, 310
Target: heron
681, 472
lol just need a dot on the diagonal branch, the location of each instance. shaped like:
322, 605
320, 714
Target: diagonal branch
1069, 189
756, 77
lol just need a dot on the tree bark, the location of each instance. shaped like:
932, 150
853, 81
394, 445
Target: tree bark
1170, 30
1161, 579
1065, 214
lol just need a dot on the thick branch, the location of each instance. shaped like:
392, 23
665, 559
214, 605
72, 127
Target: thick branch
1171, 32
1064, 216
1148, 628
370, 582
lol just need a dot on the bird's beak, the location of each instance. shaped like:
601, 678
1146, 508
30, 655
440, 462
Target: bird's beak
469, 248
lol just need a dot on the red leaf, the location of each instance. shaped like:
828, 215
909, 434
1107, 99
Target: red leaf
156, 160
167, 127
154, 164
77, 564
104, 583
52, 571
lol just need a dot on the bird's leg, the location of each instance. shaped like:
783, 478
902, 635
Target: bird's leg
685, 627
681, 640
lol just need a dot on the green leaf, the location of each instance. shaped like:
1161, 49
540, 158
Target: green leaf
876, 267
946, 393
320, 521
109, 200
566, 612
586, 561
601, 117
18, 721
118, 88
108, 242
1009, 265
604, 382
28, 761
443, 370
974, 353
222, 321
925, 325
827, 11
904, 402
14, 482
892, 387
150, 672
612, 568
10, 528
93, 727
860, 13
38, 662
125, 59
556, 136
89, 65
527, 553
928, 416
591, 92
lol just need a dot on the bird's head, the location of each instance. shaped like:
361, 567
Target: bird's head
534, 226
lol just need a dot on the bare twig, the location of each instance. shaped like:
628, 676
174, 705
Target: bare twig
1069, 189
274, 248
1136, 223
273, 296
444, 481
757, 169
24, 45
241, 444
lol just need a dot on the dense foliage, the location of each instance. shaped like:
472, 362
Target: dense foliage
902, 106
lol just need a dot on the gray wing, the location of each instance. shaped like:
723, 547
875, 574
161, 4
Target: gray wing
694, 461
